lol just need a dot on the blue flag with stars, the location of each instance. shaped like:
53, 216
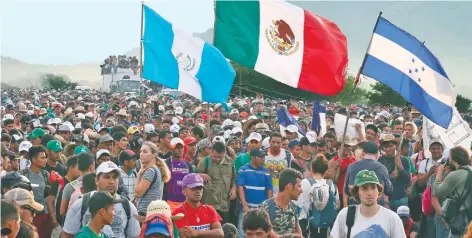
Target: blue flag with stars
399, 60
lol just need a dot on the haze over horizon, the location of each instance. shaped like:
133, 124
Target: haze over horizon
69, 33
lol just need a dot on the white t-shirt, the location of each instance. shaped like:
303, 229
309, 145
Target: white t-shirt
275, 165
304, 199
425, 165
384, 224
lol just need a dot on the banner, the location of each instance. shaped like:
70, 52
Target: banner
457, 134
340, 121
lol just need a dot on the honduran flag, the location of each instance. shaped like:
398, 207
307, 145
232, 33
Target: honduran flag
178, 60
284, 42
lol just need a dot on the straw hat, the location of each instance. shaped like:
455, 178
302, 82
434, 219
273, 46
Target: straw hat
79, 109
122, 112
22, 108
42, 111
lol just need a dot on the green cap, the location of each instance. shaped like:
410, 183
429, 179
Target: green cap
365, 177
80, 149
36, 133
54, 145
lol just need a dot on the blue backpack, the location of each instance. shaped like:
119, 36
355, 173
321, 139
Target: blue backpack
323, 210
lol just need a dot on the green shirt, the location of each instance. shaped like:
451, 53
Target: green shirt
241, 160
86, 232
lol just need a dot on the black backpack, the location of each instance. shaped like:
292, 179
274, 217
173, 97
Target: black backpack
86, 199
351, 216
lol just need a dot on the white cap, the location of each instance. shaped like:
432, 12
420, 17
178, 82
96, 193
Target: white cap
403, 211
254, 136
89, 114
25, 146
107, 167
132, 104
69, 124
174, 128
311, 136
179, 110
236, 130
162, 108
176, 141
149, 128
36, 124
81, 116
101, 152
237, 124
218, 139
228, 122
86, 138
7, 116
234, 111
78, 125
292, 129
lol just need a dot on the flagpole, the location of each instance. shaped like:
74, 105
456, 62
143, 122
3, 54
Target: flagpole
141, 68
356, 82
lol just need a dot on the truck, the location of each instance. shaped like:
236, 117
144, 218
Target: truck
124, 80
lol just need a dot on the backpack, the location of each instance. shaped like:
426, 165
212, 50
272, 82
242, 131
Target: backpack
428, 209
77, 193
351, 217
86, 199
272, 214
323, 210
47, 187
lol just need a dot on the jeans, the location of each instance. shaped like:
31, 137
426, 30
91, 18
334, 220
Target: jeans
241, 233
441, 230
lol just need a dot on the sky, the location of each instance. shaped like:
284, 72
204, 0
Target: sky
70, 32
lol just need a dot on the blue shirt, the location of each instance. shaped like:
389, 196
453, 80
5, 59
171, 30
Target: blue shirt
372, 165
256, 183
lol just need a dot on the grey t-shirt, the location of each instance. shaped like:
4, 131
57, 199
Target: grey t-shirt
115, 230
69, 189
154, 191
41, 180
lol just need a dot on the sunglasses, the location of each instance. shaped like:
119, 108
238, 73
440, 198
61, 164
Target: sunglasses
29, 209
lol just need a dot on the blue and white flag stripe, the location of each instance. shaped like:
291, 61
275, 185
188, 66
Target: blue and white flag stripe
400, 61
178, 60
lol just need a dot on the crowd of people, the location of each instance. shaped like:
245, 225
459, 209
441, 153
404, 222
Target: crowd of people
96, 164
113, 62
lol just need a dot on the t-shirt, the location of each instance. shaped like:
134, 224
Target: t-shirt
60, 169
276, 164
86, 232
285, 221
165, 156
154, 191
384, 224
256, 183
342, 172
199, 218
426, 165
178, 170
55, 187
115, 230
41, 180
241, 160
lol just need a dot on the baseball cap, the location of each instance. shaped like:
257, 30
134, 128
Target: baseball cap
102, 152
102, 199
292, 129
25, 146
107, 167
234, 111
364, 177
132, 130
162, 207
236, 130
216, 129
254, 136
189, 140
23, 197
174, 128
370, 147
436, 141
118, 135
175, 141
11, 178
149, 128
54, 145
218, 139
403, 211
157, 226
64, 128
105, 138
38, 132
258, 153
16, 138
126, 155
80, 149
307, 141
293, 143
192, 180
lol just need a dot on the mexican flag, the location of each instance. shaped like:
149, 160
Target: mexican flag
284, 42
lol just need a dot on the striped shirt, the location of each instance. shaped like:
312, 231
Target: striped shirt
154, 191
256, 183
129, 180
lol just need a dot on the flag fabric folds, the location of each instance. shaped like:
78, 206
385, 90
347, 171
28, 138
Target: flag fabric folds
284, 42
318, 115
399, 60
178, 60
286, 119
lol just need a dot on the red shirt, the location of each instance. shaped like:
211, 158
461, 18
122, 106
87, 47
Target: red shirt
200, 218
342, 172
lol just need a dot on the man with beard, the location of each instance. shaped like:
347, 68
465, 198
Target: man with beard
277, 159
79, 215
199, 220
369, 218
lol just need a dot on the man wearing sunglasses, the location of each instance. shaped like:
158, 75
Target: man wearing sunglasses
25, 200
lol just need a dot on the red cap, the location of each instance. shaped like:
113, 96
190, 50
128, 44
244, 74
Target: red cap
189, 140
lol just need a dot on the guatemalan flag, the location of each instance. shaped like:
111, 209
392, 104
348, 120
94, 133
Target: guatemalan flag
399, 60
180, 61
